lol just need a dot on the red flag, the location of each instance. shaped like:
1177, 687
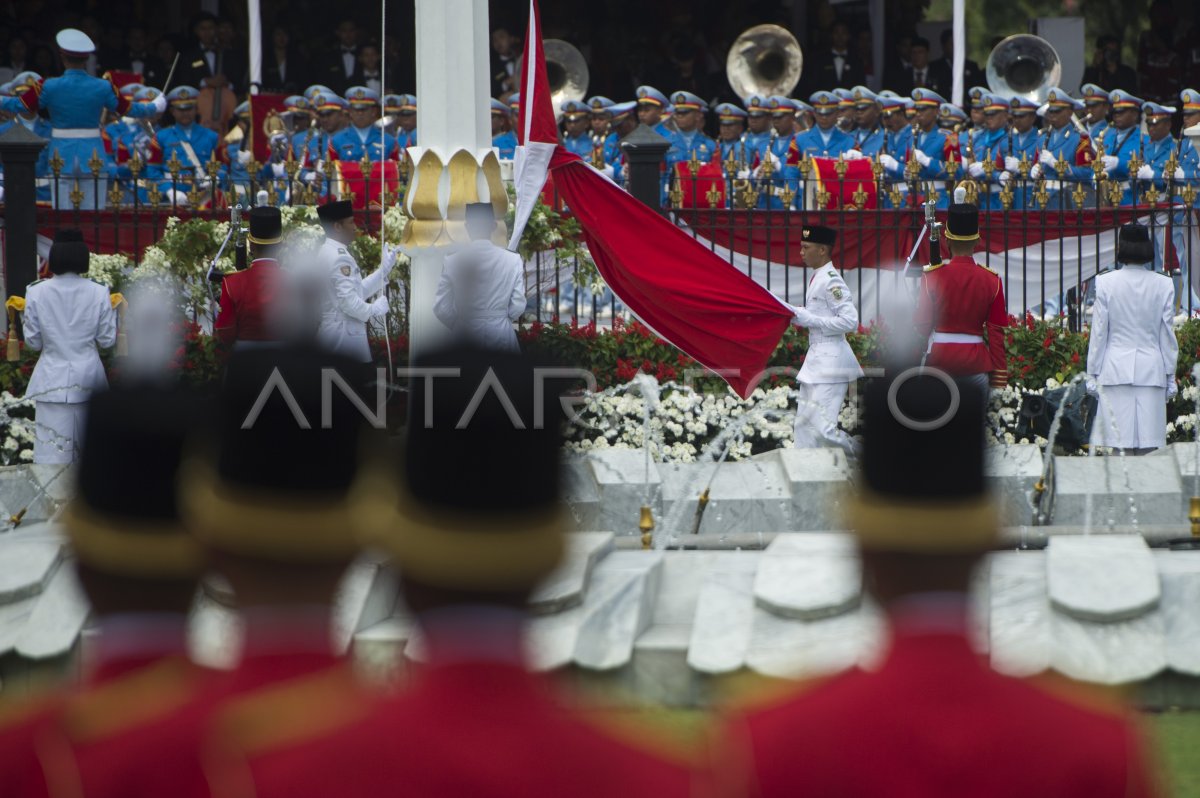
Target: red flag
690, 297
855, 191
537, 109
261, 107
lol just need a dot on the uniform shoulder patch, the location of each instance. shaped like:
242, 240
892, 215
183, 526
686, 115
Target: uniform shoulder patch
342, 251
836, 291
987, 268
345, 270
833, 273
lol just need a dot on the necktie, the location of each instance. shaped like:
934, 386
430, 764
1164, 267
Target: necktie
920, 79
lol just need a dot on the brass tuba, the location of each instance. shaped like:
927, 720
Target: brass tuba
766, 60
566, 71
1023, 65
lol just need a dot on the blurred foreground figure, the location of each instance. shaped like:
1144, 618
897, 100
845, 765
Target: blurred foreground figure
472, 537
246, 318
139, 569
932, 721
482, 288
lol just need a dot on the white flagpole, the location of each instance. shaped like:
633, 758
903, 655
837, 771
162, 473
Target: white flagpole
960, 52
254, 34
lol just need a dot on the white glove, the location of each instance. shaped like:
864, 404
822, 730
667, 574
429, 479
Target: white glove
1005, 177
278, 137
743, 174
1090, 384
608, 171
1178, 174
975, 169
852, 155
1145, 172
1110, 162
1035, 171
1172, 388
802, 316
244, 157
204, 184
390, 256
311, 178
320, 167
921, 157
159, 103
889, 163
379, 307
1047, 159
178, 198
277, 170
1011, 164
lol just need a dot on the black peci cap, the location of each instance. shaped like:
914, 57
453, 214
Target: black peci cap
816, 234
942, 505
125, 518
1134, 245
286, 445
266, 225
962, 222
457, 513
335, 211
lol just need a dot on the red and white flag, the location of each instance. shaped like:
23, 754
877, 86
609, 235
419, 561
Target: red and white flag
677, 287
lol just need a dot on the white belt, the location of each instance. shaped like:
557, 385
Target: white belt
1054, 185
75, 133
955, 338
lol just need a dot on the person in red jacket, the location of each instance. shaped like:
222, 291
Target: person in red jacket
139, 570
474, 721
932, 720
249, 299
958, 301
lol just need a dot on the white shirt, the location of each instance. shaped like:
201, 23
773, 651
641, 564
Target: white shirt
66, 318
481, 293
345, 311
829, 314
1132, 339
348, 59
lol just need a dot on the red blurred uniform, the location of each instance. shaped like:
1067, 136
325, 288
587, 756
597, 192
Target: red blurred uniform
936, 722
246, 297
958, 300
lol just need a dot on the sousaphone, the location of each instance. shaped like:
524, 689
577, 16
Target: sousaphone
766, 60
1023, 66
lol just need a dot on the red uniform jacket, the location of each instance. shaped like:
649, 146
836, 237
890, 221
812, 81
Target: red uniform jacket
479, 729
936, 722
246, 298
962, 297
45, 754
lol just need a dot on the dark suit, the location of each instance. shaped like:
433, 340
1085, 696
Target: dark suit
935, 79
972, 75
152, 70
331, 71
821, 73
295, 77
194, 69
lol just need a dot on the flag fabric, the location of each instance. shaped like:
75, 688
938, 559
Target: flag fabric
262, 106
689, 296
856, 190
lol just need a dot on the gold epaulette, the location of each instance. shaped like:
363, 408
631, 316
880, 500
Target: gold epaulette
932, 267
143, 697
987, 268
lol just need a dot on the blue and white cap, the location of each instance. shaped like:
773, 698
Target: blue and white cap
514, 102
317, 88
757, 105
824, 102
863, 96
994, 102
182, 97
1122, 100
619, 110
26, 78
891, 102
950, 113
927, 98
408, 103
1155, 110
1093, 94
1022, 105
497, 107
686, 101
362, 97
325, 102
600, 104
296, 102
651, 96
781, 105
391, 103
146, 94
74, 42
730, 114
1191, 101
243, 110
802, 106
573, 109
976, 94
1056, 98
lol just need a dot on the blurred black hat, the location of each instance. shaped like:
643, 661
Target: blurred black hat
125, 519
962, 222
69, 252
816, 234
939, 503
476, 502
285, 451
335, 211
266, 225
1134, 245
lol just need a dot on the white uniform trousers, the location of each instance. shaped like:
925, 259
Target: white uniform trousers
817, 412
59, 428
1139, 414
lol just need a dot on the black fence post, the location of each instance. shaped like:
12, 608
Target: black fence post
19, 150
644, 150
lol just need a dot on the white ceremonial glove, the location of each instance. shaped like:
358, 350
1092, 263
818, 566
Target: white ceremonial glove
889, 163
1172, 388
802, 316
1178, 174
1145, 172
311, 178
743, 174
379, 307
391, 254
178, 198
1005, 177
921, 157
277, 170
1110, 162
159, 103
852, 155
244, 157
1047, 159
975, 169
1011, 164
1035, 171
1090, 384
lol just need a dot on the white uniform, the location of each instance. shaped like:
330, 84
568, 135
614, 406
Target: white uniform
1131, 354
346, 310
66, 317
481, 293
830, 365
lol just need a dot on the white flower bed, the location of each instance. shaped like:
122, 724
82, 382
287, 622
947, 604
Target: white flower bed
16, 429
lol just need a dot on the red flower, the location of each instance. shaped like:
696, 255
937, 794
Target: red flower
625, 370
1074, 357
